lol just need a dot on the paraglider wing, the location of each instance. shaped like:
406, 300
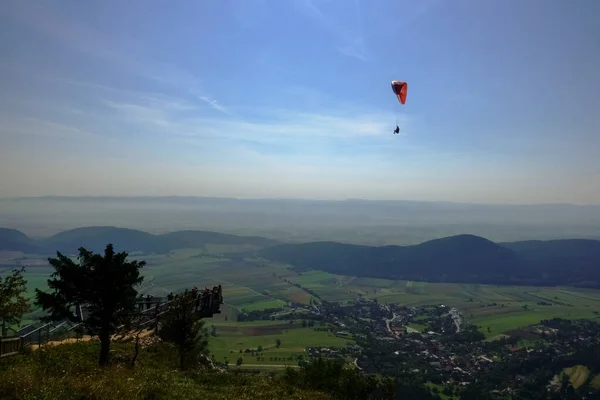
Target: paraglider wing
400, 89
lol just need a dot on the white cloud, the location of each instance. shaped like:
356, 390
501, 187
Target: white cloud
275, 125
270, 138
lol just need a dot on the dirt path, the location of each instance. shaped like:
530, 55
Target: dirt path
85, 338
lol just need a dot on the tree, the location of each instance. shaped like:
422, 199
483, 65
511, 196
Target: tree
103, 284
13, 299
182, 327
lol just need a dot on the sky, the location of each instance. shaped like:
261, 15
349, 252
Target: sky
292, 99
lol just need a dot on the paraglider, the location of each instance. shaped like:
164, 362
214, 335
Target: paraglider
400, 88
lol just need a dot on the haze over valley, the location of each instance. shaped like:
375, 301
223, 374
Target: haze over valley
349, 221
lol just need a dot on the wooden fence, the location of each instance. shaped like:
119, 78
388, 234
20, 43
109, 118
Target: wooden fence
10, 345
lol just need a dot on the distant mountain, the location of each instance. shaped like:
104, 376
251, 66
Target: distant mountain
14, 240
460, 258
95, 238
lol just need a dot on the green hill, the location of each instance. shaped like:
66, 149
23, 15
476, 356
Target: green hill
95, 238
461, 258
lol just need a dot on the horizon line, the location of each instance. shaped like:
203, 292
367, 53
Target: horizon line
133, 197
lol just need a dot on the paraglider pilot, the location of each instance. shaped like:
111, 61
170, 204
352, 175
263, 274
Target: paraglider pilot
400, 89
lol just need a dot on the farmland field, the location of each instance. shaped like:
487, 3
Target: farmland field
254, 284
235, 336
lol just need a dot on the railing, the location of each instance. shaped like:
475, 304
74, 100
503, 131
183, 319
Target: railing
39, 335
10, 345
151, 316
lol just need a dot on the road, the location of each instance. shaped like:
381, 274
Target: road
456, 318
387, 323
267, 366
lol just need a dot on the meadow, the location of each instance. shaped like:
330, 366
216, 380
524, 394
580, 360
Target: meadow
497, 310
251, 283
262, 337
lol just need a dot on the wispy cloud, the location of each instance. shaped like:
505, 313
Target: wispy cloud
404, 16
273, 126
352, 41
120, 51
343, 133
211, 102
357, 47
13, 127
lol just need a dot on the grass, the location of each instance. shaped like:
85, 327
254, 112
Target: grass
233, 337
69, 371
438, 390
578, 375
417, 327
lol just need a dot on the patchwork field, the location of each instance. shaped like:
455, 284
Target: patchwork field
235, 336
253, 284
496, 309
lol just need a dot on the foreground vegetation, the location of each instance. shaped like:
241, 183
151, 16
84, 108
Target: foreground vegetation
70, 371
172, 365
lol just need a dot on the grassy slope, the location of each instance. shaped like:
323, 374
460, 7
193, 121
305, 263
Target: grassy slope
69, 371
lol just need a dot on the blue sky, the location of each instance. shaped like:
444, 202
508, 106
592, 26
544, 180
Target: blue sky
292, 98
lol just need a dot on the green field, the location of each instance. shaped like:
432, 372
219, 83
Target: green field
235, 336
499, 308
253, 284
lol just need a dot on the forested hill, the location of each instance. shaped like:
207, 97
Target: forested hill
96, 238
461, 258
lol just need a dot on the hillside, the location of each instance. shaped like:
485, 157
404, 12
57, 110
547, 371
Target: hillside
95, 238
70, 371
461, 258
14, 240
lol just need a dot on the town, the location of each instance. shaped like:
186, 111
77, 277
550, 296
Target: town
438, 347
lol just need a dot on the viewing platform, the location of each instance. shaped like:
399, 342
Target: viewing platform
148, 310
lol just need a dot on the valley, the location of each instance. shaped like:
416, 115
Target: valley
253, 284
